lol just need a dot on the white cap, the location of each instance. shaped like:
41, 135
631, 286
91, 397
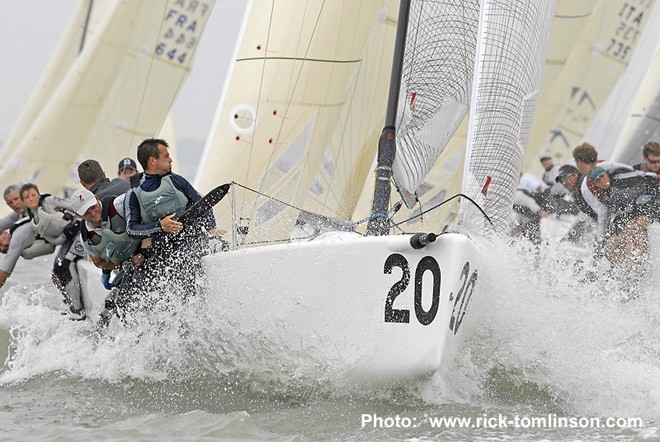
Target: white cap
82, 200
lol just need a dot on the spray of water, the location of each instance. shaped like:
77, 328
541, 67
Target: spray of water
552, 329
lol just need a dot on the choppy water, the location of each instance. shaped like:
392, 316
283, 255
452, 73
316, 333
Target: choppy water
544, 339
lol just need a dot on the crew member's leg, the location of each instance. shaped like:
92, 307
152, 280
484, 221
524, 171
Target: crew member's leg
65, 275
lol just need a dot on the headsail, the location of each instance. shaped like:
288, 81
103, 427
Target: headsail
436, 86
512, 41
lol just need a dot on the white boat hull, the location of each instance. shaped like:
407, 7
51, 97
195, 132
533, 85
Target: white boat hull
351, 297
93, 292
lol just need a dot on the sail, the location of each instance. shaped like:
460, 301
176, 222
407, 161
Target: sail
642, 123
117, 91
296, 68
600, 56
347, 160
570, 20
615, 129
83, 25
437, 76
512, 42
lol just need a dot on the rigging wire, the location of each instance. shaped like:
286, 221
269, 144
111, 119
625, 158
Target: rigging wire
350, 227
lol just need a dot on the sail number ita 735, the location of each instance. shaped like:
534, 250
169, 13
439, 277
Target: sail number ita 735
426, 316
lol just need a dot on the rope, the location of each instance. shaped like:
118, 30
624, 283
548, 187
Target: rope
351, 226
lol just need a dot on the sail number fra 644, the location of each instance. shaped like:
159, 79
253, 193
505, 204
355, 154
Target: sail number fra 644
426, 317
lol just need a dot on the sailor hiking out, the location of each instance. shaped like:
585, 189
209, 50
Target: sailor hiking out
151, 212
54, 221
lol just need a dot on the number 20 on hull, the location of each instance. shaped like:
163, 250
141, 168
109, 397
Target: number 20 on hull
426, 316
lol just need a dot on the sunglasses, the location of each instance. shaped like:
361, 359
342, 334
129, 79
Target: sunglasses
653, 161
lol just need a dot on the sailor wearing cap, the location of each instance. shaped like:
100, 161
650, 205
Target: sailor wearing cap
126, 168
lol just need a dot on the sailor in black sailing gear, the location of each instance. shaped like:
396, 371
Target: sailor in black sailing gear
92, 177
150, 211
651, 154
53, 219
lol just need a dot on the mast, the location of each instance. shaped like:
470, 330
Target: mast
84, 31
379, 223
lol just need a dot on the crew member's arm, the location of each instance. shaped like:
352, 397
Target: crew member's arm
8, 220
193, 196
21, 239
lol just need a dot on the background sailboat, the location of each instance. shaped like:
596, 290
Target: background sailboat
116, 92
600, 56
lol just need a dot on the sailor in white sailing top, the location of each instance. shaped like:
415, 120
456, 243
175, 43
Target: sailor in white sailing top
53, 219
17, 234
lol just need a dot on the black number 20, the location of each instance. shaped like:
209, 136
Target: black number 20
425, 317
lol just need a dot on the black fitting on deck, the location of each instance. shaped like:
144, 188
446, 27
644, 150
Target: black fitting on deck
419, 240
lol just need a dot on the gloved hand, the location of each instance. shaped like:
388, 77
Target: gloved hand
72, 230
105, 279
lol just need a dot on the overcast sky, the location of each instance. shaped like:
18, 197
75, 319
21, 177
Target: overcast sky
32, 28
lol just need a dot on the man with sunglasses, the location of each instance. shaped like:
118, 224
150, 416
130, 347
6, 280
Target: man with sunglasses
651, 154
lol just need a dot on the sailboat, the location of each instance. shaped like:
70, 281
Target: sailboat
101, 102
381, 305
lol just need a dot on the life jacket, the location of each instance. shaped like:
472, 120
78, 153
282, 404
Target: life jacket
113, 244
50, 225
166, 199
39, 247
19, 223
628, 188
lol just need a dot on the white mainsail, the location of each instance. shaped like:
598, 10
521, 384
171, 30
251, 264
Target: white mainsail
347, 161
513, 37
117, 91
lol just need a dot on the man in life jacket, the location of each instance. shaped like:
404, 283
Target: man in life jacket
104, 236
151, 210
92, 177
625, 202
53, 219
17, 234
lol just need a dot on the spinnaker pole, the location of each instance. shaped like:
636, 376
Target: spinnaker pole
379, 222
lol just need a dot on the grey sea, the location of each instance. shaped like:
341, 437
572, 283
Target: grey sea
551, 351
